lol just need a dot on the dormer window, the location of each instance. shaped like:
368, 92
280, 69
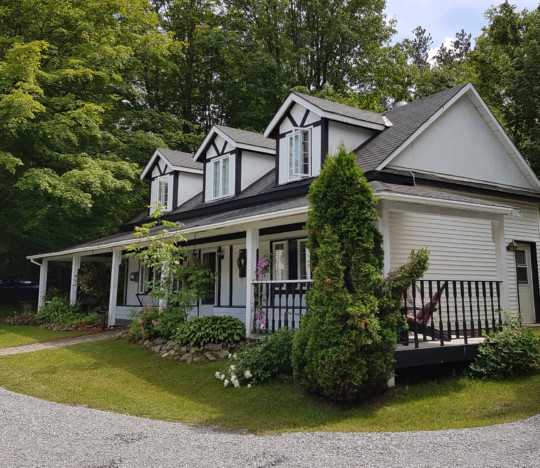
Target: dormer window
163, 193
221, 177
299, 150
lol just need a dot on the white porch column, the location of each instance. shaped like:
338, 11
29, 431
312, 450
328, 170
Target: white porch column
252, 244
383, 225
497, 232
113, 291
43, 270
75, 265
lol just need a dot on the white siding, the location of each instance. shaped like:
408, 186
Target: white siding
460, 144
189, 185
254, 166
351, 137
460, 248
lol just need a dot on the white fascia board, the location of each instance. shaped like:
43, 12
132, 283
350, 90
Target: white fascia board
279, 114
205, 143
500, 133
187, 169
148, 166
257, 149
111, 245
426, 124
469, 206
355, 122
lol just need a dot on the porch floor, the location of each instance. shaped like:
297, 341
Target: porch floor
431, 352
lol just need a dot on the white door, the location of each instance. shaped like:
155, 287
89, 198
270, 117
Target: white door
524, 282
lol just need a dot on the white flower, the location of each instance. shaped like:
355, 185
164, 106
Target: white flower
222, 376
247, 374
234, 356
226, 382
236, 383
230, 355
232, 367
248, 385
233, 377
218, 375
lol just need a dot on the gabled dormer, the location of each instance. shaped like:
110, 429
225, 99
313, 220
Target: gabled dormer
233, 159
174, 176
307, 128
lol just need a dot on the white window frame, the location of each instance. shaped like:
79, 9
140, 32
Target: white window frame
163, 201
306, 274
295, 153
284, 274
218, 186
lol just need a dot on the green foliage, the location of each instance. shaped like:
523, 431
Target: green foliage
345, 345
179, 280
342, 199
59, 311
211, 329
513, 351
145, 323
262, 360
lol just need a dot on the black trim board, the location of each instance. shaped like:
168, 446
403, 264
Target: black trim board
536, 285
324, 140
238, 171
230, 275
175, 191
416, 357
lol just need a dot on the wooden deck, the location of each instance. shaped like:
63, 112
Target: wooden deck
431, 352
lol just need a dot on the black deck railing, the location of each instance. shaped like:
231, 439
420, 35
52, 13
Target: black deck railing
443, 310
278, 304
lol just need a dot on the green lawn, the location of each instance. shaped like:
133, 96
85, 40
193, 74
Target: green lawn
16, 335
118, 376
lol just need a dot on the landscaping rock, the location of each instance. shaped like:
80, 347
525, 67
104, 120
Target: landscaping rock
200, 359
210, 357
223, 354
157, 348
161, 341
187, 358
212, 346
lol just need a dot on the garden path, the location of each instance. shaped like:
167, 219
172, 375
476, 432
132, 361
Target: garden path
60, 343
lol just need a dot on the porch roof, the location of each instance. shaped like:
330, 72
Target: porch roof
429, 196
238, 217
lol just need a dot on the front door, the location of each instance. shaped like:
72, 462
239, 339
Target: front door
525, 283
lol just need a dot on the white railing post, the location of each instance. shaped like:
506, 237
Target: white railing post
252, 244
116, 259
75, 265
43, 270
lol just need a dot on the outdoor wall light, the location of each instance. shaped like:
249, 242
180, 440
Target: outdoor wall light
220, 253
512, 246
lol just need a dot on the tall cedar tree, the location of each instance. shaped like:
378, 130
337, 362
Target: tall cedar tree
342, 350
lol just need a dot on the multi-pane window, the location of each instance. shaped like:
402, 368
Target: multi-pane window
521, 267
220, 178
163, 193
299, 150
290, 260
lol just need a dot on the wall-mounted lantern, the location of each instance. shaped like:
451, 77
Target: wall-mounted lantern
512, 246
220, 253
241, 263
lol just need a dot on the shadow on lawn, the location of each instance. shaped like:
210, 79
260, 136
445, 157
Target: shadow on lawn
191, 393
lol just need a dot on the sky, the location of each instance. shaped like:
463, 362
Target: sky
443, 18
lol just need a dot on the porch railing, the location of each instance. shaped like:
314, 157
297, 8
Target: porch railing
278, 304
443, 310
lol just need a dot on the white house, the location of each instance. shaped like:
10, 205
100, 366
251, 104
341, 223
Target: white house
446, 175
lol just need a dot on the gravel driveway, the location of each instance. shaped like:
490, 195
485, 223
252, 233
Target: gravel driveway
38, 433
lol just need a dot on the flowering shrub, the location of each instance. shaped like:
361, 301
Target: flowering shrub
263, 268
211, 329
261, 361
145, 323
513, 351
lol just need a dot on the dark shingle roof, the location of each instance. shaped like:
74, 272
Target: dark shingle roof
406, 120
427, 192
342, 109
248, 138
180, 159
